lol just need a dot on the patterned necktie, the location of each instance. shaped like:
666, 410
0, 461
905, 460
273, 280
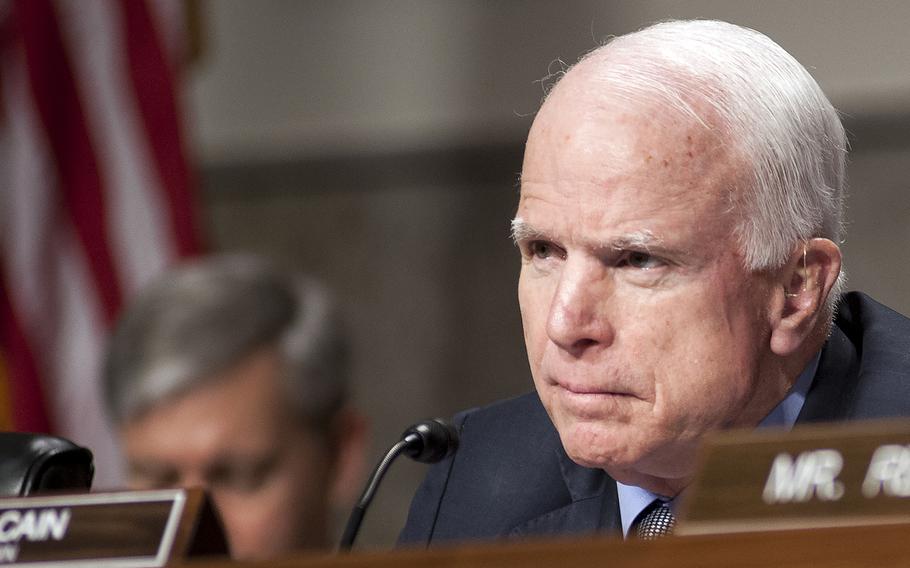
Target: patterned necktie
655, 521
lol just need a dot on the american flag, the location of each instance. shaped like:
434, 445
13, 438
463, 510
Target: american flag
95, 197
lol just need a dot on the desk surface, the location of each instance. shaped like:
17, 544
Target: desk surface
874, 545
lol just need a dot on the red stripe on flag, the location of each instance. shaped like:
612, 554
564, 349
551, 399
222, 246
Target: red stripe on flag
28, 410
154, 89
57, 101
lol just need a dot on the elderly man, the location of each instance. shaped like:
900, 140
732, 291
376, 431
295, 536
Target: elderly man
230, 374
680, 211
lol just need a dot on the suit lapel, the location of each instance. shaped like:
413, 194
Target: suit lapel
594, 506
835, 381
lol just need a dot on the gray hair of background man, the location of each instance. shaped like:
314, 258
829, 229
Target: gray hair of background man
765, 105
207, 315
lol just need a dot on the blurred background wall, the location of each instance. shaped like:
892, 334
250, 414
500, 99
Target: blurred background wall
376, 144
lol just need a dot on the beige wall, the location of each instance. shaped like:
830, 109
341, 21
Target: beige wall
376, 144
285, 78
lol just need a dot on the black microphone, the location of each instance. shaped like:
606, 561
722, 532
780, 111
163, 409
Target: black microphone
429, 441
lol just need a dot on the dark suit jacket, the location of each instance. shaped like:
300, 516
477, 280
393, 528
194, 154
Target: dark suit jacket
511, 477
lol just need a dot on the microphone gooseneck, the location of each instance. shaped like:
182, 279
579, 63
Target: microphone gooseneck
429, 441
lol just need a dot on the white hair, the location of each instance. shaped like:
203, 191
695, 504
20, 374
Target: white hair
767, 107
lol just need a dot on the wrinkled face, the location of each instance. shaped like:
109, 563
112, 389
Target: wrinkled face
643, 328
267, 475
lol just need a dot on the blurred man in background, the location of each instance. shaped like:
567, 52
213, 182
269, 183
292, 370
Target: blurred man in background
231, 375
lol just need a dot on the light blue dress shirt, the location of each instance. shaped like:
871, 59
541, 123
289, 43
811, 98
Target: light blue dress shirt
633, 500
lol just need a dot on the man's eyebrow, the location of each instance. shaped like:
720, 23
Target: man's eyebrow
643, 239
521, 231
150, 469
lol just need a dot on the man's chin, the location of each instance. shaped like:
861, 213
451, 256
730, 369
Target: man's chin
599, 451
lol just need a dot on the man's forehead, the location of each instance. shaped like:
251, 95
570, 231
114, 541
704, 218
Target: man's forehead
577, 116
638, 145
630, 161
630, 205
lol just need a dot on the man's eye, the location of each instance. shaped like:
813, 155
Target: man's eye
246, 476
542, 249
642, 260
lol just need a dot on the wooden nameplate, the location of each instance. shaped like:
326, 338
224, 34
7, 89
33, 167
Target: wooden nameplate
132, 528
813, 476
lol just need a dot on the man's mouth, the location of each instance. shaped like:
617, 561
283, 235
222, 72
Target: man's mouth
586, 389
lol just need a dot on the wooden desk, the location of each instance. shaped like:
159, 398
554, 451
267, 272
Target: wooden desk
844, 547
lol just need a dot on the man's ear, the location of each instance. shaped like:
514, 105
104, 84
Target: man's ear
349, 439
801, 292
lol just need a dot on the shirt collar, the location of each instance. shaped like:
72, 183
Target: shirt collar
784, 414
633, 500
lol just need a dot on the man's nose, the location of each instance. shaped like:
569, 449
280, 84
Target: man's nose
577, 321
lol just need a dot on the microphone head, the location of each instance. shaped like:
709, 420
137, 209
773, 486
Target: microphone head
430, 441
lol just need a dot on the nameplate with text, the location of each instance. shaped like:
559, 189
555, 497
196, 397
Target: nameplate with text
812, 476
131, 528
